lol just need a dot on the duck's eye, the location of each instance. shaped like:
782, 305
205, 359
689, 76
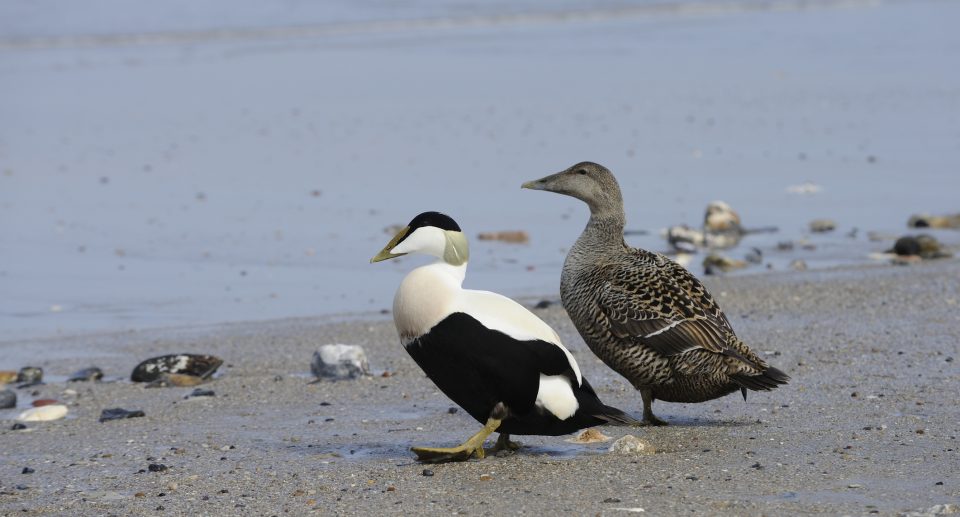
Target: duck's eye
582, 171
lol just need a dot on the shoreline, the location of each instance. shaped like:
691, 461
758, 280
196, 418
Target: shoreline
270, 441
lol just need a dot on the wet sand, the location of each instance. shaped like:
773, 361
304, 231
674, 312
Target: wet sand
868, 425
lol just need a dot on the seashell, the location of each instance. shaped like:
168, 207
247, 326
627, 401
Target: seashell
44, 413
202, 366
338, 362
30, 375
590, 436
8, 399
87, 374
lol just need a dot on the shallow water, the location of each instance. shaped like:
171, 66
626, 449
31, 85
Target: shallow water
196, 176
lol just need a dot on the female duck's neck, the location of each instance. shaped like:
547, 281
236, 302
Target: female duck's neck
605, 229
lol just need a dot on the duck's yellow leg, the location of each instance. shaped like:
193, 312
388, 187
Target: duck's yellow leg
472, 448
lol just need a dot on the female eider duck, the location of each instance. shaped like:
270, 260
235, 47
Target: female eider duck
644, 315
490, 355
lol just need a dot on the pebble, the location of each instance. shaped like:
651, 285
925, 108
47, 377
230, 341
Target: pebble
18, 427
7, 376
120, 413
513, 236
339, 362
86, 375
935, 511
934, 221
427, 473
798, 265
8, 399
485, 477
200, 393
44, 402
630, 444
925, 246
27, 470
543, 304
30, 375
180, 380
156, 467
611, 500
715, 263
590, 436
202, 366
452, 410
44, 413
822, 225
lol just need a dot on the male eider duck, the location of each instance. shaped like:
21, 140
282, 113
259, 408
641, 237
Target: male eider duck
498, 361
644, 315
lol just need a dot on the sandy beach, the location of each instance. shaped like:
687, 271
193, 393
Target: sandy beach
868, 425
167, 168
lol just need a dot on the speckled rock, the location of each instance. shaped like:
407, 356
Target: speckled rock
336, 362
630, 444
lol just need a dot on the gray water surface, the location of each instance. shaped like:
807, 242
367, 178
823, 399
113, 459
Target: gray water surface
152, 177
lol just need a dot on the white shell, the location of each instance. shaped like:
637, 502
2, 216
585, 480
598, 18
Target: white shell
44, 413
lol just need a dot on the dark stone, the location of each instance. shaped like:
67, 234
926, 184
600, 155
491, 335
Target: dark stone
543, 304
8, 399
427, 472
452, 410
18, 427
120, 413
87, 374
201, 393
156, 467
27, 470
202, 366
611, 500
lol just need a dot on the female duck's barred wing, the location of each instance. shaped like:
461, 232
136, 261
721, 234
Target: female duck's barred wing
643, 303
696, 291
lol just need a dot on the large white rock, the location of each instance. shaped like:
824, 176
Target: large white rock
339, 361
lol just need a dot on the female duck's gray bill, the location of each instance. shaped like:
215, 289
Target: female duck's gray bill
385, 252
533, 185
543, 183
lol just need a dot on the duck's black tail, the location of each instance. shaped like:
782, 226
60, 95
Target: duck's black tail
608, 415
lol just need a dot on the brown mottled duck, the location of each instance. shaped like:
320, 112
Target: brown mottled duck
644, 315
